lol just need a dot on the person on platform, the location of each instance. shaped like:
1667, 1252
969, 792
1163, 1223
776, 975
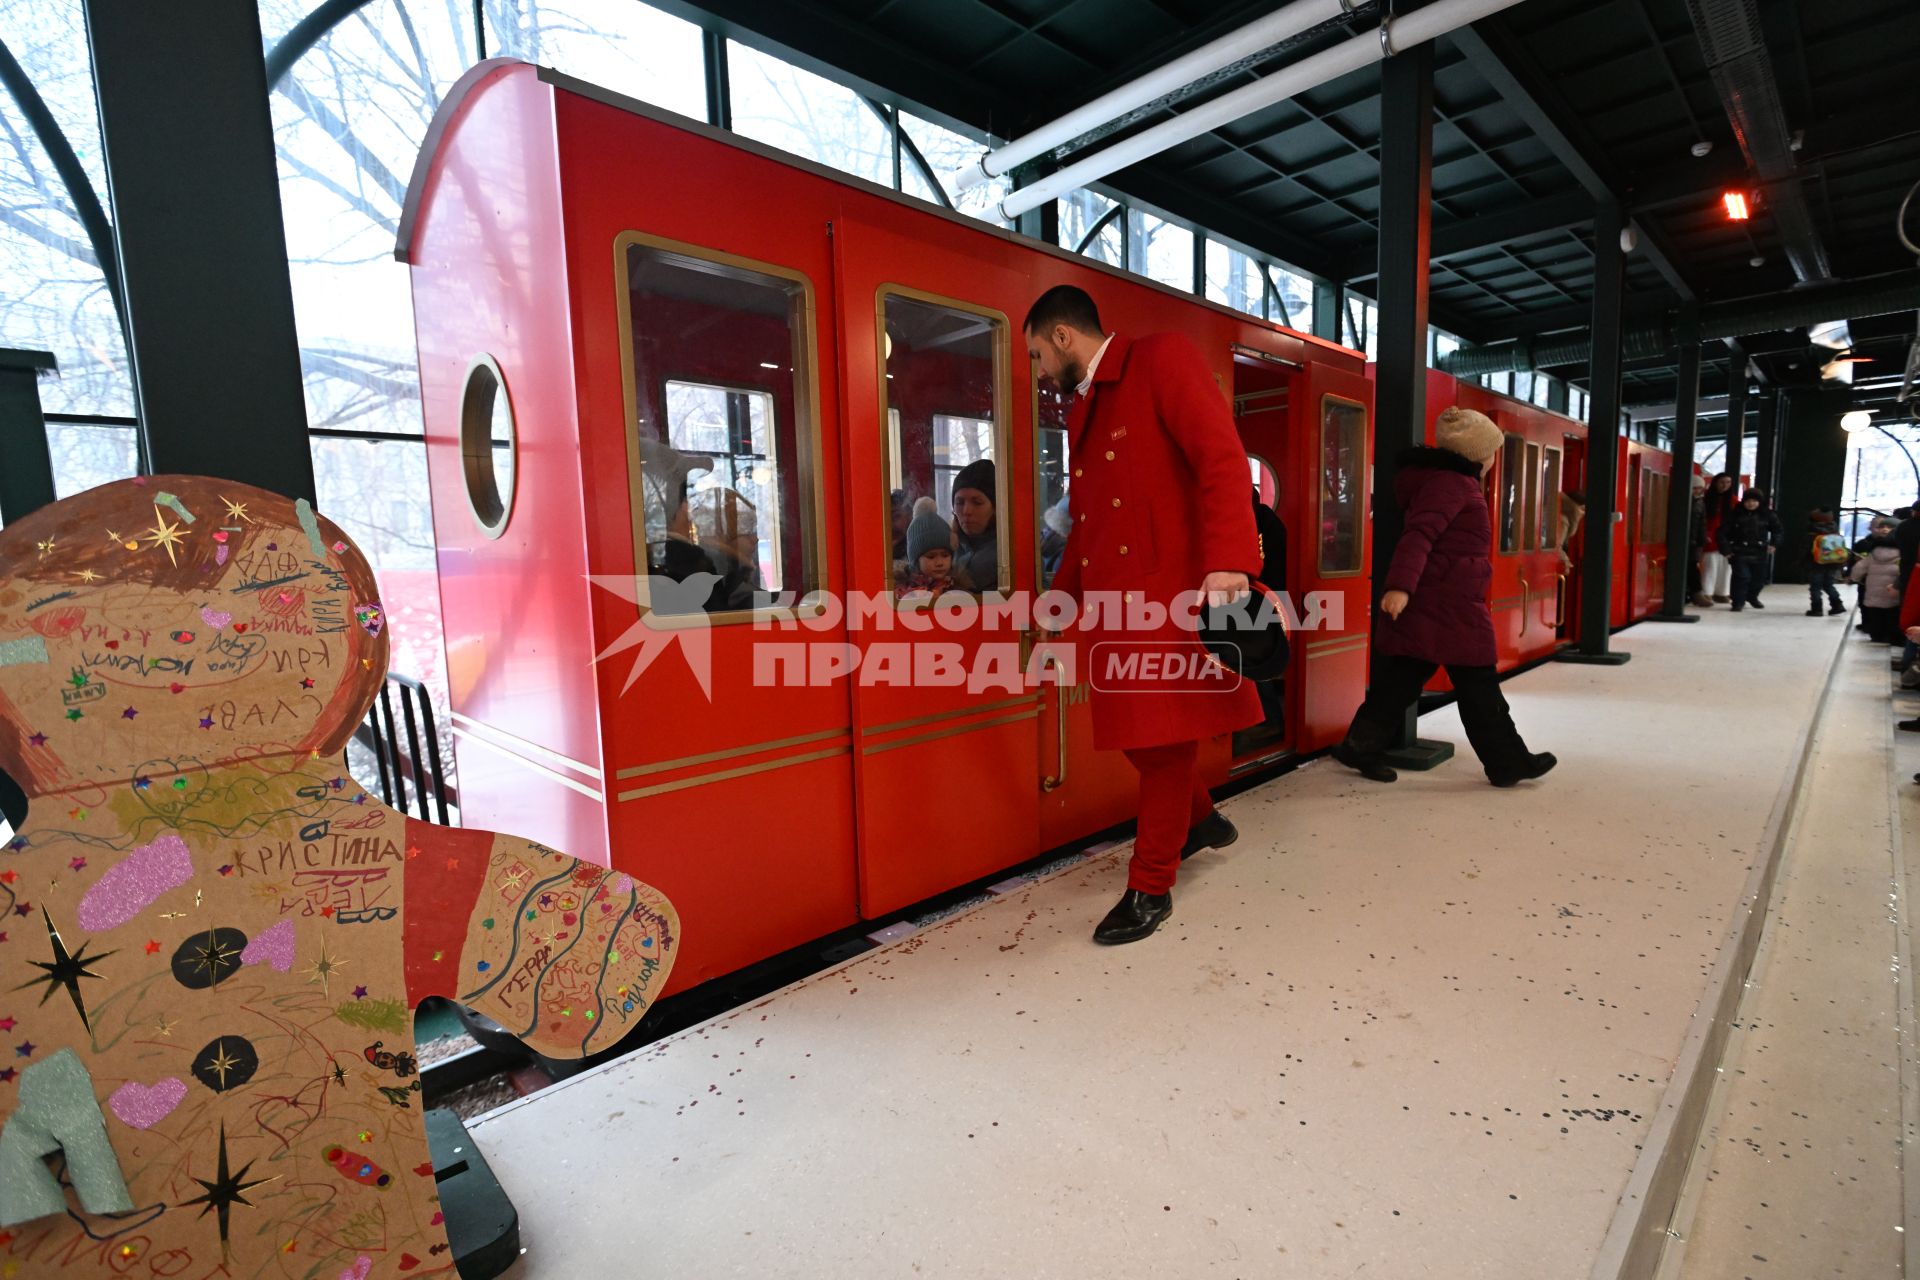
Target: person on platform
1159, 506
1720, 501
1697, 545
1906, 536
1749, 532
976, 557
1436, 611
1573, 509
1878, 572
1826, 560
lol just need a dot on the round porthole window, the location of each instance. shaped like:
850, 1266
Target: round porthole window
487, 445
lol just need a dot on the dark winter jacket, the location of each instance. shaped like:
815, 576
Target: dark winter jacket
1273, 545
1443, 561
1746, 535
1697, 527
1906, 536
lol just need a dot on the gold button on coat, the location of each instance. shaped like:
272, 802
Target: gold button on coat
1083, 562
1123, 551
1116, 502
1076, 473
1109, 455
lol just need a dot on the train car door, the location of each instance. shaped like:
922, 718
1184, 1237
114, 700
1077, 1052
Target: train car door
1332, 452
947, 762
1263, 387
1081, 789
708, 447
1573, 481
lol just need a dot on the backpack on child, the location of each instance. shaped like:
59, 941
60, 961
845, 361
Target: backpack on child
1829, 548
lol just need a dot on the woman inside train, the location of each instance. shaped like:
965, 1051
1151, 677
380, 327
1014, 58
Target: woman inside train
976, 558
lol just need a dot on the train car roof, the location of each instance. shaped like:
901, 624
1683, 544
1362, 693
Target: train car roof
475, 75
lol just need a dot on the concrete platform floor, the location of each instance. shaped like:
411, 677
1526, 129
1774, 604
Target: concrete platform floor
1395, 1031
1801, 1175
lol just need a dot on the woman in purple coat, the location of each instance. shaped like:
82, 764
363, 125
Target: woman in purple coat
1436, 608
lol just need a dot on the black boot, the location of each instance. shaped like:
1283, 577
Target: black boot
1211, 832
1835, 609
1911, 726
1369, 764
1539, 764
1135, 916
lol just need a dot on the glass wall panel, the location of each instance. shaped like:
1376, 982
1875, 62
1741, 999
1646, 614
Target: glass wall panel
1550, 502
1295, 293
946, 151
621, 44
778, 103
1233, 278
1080, 211
1056, 522
1160, 250
1362, 321
53, 296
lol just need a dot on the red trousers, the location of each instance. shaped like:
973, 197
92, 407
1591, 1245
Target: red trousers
1171, 801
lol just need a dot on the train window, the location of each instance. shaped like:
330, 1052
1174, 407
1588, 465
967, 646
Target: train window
1056, 521
1265, 482
1550, 501
1536, 516
944, 391
1343, 479
720, 402
487, 445
1511, 487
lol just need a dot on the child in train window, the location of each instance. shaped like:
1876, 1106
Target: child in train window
930, 543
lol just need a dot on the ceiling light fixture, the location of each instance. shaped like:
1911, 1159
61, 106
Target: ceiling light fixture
1858, 420
1702, 148
1736, 203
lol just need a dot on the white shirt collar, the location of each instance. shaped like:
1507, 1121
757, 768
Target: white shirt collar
1086, 383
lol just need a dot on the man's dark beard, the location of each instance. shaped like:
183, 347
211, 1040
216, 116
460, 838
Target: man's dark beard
1071, 376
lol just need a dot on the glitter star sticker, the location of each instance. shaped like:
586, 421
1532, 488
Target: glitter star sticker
164, 535
129, 713
87, 575
237, 510
219, 1063
46, 548
323, 969
65, 970
37, 739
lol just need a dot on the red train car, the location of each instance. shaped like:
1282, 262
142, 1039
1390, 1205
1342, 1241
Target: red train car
618, 308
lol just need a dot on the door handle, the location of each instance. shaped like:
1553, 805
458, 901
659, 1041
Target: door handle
1058, 777
1526, 604
1560, 601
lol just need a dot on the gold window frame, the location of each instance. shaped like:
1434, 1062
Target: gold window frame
1002, 433
811, 510
1320, 490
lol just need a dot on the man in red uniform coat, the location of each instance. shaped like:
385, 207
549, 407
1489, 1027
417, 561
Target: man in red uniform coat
1159, 504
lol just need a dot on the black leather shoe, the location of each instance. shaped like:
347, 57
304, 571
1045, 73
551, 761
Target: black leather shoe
1211, 832
1135, 916
1756, 603
1366, 763
1911, 726
1539, 764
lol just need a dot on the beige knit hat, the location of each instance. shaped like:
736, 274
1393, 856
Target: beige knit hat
1471, 435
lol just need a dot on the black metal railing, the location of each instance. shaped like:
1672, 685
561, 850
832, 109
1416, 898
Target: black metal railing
419, 764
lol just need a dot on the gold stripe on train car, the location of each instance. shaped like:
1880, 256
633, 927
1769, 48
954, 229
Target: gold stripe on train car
724, 775
731, 753
875, 748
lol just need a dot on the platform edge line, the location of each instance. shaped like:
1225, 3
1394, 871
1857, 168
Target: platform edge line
1907, 1017
1636, 1237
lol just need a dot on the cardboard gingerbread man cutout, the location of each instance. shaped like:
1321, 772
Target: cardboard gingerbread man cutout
211, 938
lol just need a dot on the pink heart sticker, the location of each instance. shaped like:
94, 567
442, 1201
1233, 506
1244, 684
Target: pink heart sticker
144, 1106
275, 947
361, 1268
215, 618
